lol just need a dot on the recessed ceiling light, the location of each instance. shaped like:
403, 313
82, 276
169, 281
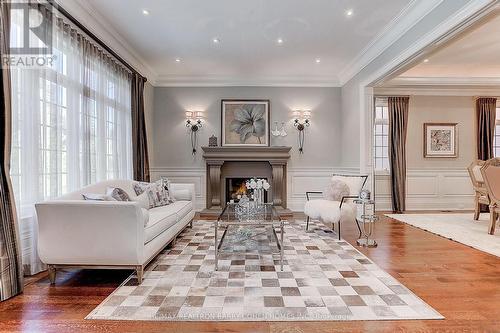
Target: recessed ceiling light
279, 41
216, 40
426, 60
145, 12
177, 59
349, 12
318, 60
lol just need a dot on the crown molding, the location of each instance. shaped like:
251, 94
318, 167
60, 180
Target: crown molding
225, 81
470, 91
443, 81
406, 19
95, 22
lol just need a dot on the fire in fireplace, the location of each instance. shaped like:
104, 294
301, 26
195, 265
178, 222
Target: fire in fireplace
235, 189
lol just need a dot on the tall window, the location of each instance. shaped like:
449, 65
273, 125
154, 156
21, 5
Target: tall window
381, 135
71, 120
496, 139
71, 125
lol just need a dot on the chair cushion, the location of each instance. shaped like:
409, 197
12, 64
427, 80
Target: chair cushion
336, 190
160, 219
329, 211
355, 183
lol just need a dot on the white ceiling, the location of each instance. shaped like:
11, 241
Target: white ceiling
248, 31
473, 58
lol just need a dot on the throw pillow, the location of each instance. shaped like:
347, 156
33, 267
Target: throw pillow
157, 193
117, 193
336, 190
97, 197
140, 187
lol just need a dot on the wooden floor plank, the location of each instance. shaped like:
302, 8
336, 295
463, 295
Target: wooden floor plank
462, 283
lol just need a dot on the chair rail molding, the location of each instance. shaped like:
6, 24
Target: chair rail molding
429, 189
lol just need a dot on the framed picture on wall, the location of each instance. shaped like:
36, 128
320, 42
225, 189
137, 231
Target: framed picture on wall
440, 140
245, 123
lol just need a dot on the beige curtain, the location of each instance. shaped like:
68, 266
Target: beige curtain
11, 277
139, 139
398, 125
486, 116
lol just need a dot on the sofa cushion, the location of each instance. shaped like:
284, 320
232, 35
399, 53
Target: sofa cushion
160, 219
182, 208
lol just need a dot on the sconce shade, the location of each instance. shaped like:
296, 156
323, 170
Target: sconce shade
306, 114
199, 115
296, 114
189, 115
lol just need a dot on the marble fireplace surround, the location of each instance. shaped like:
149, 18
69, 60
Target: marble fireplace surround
245, 162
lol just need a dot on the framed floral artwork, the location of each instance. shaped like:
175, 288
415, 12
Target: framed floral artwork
245, 123
440, 140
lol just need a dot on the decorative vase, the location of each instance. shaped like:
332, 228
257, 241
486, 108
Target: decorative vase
259, 196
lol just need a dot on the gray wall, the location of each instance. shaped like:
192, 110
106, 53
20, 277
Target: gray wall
171, 147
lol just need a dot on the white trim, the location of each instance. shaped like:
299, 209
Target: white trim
439, 91
430, 189
406, 19
97, 24
443, 81
230, 81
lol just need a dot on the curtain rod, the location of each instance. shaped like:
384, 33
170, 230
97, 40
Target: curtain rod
94, 37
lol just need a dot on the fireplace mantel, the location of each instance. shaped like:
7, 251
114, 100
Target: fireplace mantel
216, 157
247, 153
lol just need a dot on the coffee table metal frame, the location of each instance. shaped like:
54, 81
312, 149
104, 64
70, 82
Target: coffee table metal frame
274, 222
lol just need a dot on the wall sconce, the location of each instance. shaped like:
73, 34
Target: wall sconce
194, 121
301, 121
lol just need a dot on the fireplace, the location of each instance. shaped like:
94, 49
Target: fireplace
225, 163
236, 188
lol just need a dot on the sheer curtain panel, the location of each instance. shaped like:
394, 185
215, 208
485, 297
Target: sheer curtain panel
71, 125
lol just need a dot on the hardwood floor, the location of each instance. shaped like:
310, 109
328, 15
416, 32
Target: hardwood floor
462, 283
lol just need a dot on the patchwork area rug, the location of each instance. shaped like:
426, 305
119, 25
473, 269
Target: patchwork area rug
458, 227
323, 279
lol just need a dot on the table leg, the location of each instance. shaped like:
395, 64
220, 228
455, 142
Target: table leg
281, 247
216, 246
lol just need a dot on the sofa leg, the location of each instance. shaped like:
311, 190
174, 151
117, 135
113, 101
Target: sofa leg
307, 223
52, 274
140, 273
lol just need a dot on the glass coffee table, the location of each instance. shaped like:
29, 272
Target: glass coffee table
249, 214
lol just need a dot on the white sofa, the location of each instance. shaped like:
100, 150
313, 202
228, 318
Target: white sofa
74, 232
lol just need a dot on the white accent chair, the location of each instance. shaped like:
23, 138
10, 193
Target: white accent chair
74, 232
334, 212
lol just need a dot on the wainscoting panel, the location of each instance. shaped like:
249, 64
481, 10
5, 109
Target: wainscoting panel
194, 176
436, 189
299, 180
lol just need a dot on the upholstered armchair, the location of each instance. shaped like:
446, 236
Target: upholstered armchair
491, 175
321, 206
481, 194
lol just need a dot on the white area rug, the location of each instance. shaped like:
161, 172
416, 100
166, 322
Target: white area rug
323, 278
458, 227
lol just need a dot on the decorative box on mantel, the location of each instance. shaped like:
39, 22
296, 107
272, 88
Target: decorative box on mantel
245, 162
